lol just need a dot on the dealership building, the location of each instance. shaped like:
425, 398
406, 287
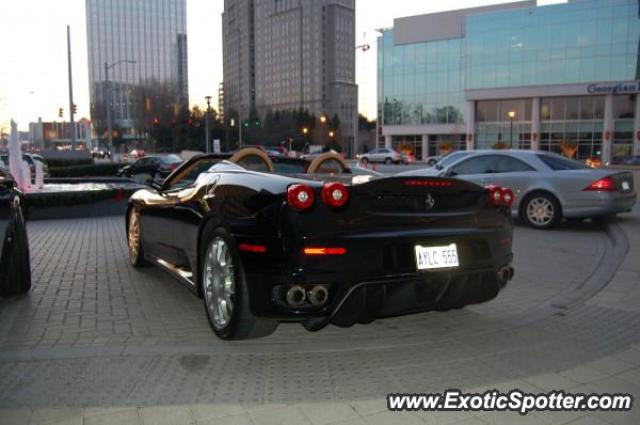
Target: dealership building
561, 77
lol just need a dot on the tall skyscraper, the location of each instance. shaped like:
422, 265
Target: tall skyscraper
151, 33
290, 54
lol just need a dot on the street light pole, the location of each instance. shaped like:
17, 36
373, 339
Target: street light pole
109, 130
512, 115
364, 48
71, 106
206, 124
107, 67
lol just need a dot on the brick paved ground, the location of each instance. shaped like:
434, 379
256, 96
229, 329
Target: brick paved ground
118, 345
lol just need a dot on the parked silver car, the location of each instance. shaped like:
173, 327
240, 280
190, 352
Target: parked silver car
385, 155
547, 186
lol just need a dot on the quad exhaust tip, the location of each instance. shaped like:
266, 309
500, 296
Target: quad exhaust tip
505, 274
296, 296
316, 295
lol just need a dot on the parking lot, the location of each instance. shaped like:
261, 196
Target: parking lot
96, 333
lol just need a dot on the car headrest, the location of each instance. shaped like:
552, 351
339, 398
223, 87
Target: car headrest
317, 163
243, 154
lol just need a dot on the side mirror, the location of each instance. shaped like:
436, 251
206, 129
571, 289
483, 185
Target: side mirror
450, 173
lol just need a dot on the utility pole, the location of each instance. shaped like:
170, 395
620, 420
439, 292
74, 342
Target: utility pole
71, 106
206, 124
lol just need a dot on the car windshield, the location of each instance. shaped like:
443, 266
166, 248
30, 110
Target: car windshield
450, 159
560, 163
188, 175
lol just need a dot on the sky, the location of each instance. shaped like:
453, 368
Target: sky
33, 52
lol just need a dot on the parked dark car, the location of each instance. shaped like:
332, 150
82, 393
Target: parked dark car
15, 266
626, 160
150, 168
269, 239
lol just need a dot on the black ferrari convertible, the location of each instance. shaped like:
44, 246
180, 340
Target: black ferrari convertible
15, 267
271, 239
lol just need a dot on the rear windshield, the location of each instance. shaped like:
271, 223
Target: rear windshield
560, 163
171, 159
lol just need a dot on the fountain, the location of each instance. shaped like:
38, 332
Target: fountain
18, 168
66, 197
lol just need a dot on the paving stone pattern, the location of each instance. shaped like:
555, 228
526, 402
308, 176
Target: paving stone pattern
119, 345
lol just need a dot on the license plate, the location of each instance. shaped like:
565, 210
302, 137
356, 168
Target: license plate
436, 257
625, 185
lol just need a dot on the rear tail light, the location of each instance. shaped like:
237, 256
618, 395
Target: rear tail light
335, 195
605, 184
300, 196
257, 249
324, 251
500, 196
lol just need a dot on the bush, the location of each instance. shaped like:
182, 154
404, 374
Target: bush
67, 162
93, 170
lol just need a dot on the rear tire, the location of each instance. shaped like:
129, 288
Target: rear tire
225, 290
388, 161
541, 210
15, 267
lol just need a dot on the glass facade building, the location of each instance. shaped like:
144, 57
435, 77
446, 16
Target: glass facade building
151, 33
561, 77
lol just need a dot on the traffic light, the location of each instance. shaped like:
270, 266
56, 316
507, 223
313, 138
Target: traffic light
75, 109
60, 112
156, 121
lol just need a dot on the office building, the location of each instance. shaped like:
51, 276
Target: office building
153, 35
291, 54
517, 74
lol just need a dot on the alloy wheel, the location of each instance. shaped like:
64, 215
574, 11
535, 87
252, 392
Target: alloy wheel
540, 211
219, 283
134, 236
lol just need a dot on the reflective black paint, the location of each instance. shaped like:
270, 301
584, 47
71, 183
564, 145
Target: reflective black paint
377, 277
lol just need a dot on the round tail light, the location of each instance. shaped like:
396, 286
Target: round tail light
300, 196
500, 196
335, 195
507, 197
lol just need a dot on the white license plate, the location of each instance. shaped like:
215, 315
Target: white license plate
625, 185
436, 257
